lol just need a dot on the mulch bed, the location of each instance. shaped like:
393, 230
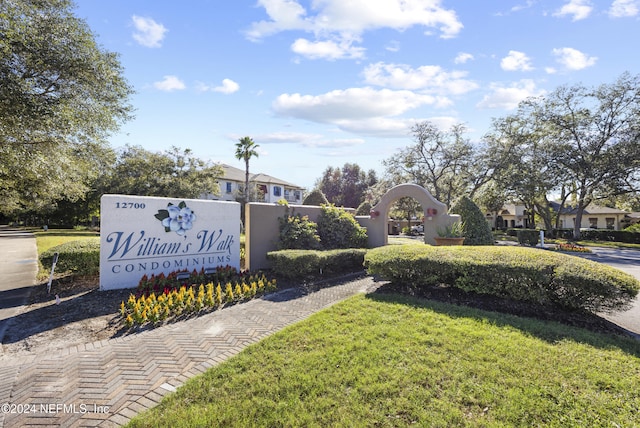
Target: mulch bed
456, 296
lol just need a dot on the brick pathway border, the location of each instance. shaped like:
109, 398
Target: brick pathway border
107, 383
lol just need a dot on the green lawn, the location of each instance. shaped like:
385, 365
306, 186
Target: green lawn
386, 360
54, 237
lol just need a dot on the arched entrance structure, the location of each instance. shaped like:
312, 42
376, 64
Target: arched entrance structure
435, 214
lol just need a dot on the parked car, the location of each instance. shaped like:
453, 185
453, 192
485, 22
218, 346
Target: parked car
419, 229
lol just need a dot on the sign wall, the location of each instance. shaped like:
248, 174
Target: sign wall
142, 235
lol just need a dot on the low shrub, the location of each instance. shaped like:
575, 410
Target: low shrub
625, 236
297, 264
297, 232
635, 228
316, 197
338, 228
81, 257
525, 274
529, 237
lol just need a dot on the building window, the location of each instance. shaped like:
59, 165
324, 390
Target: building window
228, 187
611, 223
296, 195
593, 222
277, 191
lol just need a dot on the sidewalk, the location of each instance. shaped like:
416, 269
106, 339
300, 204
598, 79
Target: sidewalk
109, 382
18, 270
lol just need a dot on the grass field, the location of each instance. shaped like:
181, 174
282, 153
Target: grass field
54, 237
388, 361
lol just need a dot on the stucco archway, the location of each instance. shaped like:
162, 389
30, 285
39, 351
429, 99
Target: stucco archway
435, 214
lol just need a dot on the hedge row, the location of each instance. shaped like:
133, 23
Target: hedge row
298, 264
611, 235
81, 257
523, 274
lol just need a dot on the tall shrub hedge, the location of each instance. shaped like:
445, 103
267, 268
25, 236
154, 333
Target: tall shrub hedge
525, 274
338, 228
476, 229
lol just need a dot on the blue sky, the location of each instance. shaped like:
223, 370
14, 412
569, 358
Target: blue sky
323, 82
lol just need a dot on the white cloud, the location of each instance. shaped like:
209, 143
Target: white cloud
624, 8
228, 87
430, 78
330, 49
352, 103
336, 24
287, 138
516, 61
148, 32
393, 46
463, 57
338, 143
169, 84
573, 59
579, 9
305, 140
508, 97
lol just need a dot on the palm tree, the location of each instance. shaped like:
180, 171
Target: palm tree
245, 150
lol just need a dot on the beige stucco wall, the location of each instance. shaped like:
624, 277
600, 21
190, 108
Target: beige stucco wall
262, 229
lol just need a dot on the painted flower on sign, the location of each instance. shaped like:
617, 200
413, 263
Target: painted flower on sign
176, 218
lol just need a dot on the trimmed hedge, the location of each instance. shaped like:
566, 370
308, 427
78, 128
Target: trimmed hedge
296, 264
525, 274
610, 235
81, 257
529, 237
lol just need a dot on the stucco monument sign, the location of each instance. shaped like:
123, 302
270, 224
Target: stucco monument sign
147, 235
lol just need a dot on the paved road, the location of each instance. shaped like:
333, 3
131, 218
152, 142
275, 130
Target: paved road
18, 269
627, 260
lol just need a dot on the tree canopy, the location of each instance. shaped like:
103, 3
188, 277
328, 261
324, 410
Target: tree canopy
445, 163
175, 173
346, 186
577, 140
61, 95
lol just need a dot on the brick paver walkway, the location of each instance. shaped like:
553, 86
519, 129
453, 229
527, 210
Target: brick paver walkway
109, 382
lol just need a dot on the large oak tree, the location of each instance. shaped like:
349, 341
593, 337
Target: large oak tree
61, 95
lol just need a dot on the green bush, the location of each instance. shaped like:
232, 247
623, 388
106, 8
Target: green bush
81, 257
525, 274
339, 229
625, 236
298, 232
316, 197
476, 229
298, 264
364, 209
529, 237
635, 228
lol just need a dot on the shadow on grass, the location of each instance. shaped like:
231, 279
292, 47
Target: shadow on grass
546, 323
